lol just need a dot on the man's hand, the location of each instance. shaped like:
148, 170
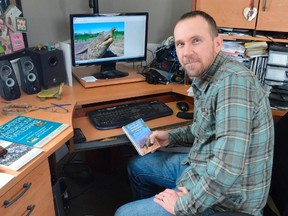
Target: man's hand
168, 198
161, 136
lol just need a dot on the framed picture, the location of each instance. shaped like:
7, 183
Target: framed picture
13, 28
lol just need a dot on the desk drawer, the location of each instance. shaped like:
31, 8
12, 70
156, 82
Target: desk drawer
34, 192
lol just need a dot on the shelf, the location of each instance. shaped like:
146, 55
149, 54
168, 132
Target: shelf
233, 37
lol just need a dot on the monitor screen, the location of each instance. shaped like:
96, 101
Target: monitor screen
104, 39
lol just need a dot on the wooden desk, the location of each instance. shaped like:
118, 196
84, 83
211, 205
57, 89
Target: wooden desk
82, 100
100, 97
38, 198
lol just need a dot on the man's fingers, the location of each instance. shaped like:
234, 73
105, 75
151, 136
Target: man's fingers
183, 190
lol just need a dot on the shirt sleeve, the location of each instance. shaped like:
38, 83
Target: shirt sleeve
181, 136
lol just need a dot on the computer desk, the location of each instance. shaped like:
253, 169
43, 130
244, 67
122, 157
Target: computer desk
83, 100
107, 96
137, 89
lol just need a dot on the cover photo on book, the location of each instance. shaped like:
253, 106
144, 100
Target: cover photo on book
138, 133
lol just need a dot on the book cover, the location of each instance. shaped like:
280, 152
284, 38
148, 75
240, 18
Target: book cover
17, 40
30, 131
17, 155
138, 133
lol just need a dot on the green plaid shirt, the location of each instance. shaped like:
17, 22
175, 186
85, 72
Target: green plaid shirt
232, 139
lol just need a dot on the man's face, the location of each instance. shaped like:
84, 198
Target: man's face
195, 47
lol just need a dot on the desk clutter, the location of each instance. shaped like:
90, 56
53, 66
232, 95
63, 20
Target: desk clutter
165, 67
269, 63
31, 70
19, 108
23, 138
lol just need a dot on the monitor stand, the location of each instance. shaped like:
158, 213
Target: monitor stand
108, 71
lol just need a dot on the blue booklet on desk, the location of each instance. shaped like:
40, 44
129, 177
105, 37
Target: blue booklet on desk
30, 131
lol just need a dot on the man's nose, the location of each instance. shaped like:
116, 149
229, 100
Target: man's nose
188, 50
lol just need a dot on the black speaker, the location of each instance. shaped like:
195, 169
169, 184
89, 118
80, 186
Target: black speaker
30, 82
50, 66
9, 87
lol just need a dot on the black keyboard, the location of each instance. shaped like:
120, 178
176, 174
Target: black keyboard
118, 116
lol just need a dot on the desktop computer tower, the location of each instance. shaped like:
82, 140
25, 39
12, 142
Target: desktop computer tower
50, 65
60, 197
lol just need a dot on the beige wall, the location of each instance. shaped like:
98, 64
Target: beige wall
48, 20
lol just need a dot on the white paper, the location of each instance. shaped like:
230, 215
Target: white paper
5, 178
65, 47
190, 91
89, 79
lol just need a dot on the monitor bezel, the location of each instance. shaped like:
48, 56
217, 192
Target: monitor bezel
135, 59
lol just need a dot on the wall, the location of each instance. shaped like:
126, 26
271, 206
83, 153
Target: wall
48, 21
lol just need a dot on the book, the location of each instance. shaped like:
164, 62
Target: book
30, 131
17, 40
17, 155
138, 133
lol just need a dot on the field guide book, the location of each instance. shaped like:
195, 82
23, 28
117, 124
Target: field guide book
138, 133
17, 155
31, 131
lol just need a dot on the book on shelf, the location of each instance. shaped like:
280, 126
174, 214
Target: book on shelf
17, 155
31, 131
138, 133
256, 48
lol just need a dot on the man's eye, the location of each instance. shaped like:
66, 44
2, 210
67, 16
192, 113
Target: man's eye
195, 41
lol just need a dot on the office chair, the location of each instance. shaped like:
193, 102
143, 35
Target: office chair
279, 181
230, 214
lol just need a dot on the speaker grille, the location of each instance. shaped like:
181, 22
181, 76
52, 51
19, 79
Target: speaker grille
9, 87
5, 71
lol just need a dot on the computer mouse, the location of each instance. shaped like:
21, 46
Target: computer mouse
183, 106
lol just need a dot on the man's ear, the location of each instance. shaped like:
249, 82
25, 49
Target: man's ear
218, 43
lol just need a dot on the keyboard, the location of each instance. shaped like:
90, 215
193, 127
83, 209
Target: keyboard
120, 115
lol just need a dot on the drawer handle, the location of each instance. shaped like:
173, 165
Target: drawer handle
8, 203
30, 209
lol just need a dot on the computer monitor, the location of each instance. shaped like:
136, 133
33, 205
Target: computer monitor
105, 39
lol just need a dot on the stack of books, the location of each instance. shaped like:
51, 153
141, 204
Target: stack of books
256, 48
257, 51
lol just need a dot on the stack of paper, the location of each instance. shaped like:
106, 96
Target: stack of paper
235, 49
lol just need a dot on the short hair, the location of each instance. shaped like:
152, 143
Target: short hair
211, 22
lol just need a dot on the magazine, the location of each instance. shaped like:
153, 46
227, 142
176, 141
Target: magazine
30, 131
138, 133
17, 155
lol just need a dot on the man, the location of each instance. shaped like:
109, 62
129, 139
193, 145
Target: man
229, 165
